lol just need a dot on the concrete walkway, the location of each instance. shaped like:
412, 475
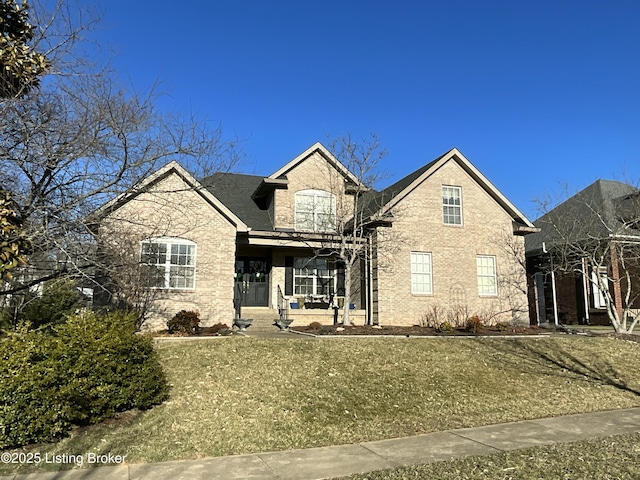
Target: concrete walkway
327, 462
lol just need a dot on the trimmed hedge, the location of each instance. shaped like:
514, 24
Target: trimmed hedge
85, 370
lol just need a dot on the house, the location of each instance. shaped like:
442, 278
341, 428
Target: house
578, 261
439, 239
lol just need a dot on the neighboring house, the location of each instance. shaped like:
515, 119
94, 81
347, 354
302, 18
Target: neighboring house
439, 238
577, 263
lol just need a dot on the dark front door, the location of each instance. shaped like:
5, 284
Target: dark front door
252, 281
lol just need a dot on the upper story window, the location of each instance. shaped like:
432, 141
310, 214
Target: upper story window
171, 262
452, 205
487, 277
315, 210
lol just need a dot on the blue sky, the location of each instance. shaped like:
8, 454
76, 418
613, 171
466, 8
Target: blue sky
535, 94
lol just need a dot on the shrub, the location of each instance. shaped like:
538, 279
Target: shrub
83, 371
431, 318
445, 327
218, 327
185, 321
59, 299
31, 404
502, 326
315, 325
474, 324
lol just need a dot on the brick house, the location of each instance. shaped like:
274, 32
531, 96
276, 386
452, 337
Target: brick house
442, 236
582, 252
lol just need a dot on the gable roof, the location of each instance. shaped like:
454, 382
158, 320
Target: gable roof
379, 204
175, 168
595, 212
326, 154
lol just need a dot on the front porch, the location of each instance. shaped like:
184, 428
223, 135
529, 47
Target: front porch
296, 284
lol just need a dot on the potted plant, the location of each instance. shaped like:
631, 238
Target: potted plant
242, 323
283, 324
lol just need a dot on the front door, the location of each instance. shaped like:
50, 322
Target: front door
252, 281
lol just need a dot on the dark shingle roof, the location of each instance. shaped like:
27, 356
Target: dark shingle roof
594, 212
376, 200
234, 191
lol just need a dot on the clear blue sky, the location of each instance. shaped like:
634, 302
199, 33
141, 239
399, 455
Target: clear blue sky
534, 93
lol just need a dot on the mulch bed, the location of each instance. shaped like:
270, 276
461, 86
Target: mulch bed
419, 331
214, 331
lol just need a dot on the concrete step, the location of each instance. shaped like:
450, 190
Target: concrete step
263, 318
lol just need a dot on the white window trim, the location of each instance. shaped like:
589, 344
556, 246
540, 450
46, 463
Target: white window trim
429, 274
316, 224
459, 189
314, 275
483, 275
169, 241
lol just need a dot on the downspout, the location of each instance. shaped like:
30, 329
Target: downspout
369, 283
553, 286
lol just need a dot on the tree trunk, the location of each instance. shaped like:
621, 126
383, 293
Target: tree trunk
347, 294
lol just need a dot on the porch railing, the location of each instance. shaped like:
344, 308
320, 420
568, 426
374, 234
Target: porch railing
283, 306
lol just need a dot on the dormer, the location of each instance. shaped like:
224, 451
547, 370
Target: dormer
308, 193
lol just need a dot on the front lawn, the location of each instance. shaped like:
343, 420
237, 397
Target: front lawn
243, 395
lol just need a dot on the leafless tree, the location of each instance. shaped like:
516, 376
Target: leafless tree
348, 228
596, 233
81, 138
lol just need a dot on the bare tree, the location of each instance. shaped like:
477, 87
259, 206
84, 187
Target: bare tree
80, 138
345, 216
596, 234
512, 278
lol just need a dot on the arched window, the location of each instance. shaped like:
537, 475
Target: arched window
171, 262
315, 210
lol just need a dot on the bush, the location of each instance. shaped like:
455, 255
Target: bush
445, 327
184, 321
218, 327
31, 405
502, 326
85, 370
59, 299
315, 325
474, 324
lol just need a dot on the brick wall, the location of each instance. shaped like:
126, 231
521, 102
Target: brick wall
171, 208
312, 173
418, 227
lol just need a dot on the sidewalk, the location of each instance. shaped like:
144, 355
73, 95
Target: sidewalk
335, 461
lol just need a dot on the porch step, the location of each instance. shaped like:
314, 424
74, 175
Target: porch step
263, 318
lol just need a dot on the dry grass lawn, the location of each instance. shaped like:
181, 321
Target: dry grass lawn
242, 395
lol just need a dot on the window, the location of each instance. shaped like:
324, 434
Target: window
171, 262
421, 277
315, 210
452, 205
487, 280
599, 294
313, 276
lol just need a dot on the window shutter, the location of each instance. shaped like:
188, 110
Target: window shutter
340, 290
288, 275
